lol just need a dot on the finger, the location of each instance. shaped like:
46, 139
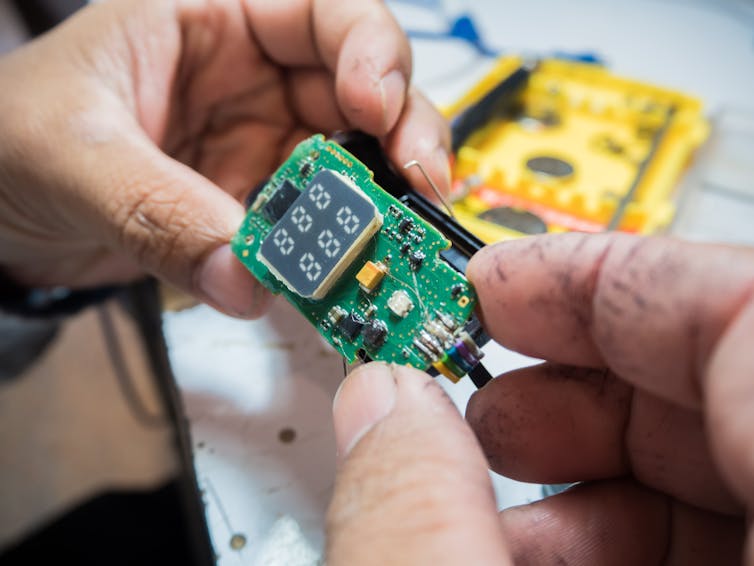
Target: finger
618, 522
230, 161
422, 134
652, 309
412, 485
372, 76
171, 220
312, 94
730, 404
360, 42
553, 424
559, 424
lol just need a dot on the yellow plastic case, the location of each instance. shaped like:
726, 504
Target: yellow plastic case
575, 148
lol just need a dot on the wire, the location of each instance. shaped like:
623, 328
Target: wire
123, 375
443, 200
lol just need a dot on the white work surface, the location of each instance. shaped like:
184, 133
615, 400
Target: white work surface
249, 386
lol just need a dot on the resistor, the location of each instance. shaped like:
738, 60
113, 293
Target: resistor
473, 349
438, 330
424, 350
447, 321
431, 342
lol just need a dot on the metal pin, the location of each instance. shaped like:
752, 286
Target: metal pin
440, 196
424, 350
431, 342
447, 321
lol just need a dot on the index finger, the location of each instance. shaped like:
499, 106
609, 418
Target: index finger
652, 309
359, 42
362, 63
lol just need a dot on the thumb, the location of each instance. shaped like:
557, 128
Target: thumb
412, 485
173, 221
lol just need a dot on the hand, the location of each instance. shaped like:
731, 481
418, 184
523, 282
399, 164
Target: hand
131, 132
647, 398
412, 486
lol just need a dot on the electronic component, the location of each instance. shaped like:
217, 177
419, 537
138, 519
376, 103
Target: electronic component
320, 235
350, 326
453, 355
337, 255
374, 334
405, 225
336, 314
416, 258
370, 276
280, 202
456, 290
400, 303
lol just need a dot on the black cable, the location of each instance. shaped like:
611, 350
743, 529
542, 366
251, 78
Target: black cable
143, 303
42, 15
123, 375
480, 376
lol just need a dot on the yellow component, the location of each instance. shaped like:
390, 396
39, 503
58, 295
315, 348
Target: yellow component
443, 369
582, 142
370, 276
463, 301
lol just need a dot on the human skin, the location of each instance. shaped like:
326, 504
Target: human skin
132, 132
646, 397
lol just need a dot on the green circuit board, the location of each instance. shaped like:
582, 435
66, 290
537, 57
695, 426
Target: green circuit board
359, 265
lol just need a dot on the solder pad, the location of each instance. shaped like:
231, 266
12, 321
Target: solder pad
440, 295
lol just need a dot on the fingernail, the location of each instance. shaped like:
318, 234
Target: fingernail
364, 398
392, 93
226, 285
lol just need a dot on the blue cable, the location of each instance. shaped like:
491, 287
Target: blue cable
463, 28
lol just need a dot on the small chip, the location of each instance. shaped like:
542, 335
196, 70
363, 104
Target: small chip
456, 290
374, 334
350, 326
280, 202
400, 303
405, 248
416, 258
405, 225
370, 276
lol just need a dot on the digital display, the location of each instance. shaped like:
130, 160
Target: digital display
320, 234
